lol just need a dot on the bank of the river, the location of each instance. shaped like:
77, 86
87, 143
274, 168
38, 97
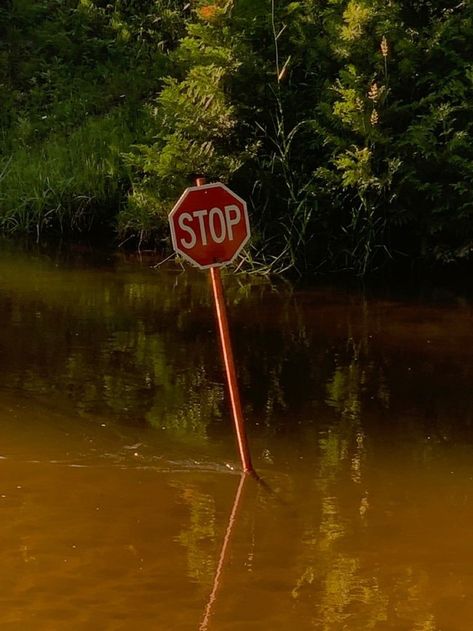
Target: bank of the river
347, 126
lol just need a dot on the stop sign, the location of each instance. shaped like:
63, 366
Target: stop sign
209, 225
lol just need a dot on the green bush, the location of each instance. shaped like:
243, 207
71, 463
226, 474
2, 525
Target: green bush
74, 76
69, 182
346, 125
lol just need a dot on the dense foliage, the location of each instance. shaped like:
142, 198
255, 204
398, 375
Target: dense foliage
347, 124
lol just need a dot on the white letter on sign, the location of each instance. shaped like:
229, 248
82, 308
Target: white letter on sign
187, 244
200, 214
213, 213
232, 222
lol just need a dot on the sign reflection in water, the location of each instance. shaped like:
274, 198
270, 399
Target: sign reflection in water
115, 480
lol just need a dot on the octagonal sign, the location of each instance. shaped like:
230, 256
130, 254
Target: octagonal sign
209, 225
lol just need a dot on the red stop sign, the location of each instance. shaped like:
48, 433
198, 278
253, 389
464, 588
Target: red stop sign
209, 225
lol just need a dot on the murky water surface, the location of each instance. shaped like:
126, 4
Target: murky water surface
121, 506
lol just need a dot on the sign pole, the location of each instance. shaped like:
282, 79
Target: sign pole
230, 369
229, 362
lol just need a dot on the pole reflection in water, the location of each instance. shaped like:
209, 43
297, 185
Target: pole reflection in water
223, 552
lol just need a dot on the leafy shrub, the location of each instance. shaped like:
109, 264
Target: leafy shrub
347, 125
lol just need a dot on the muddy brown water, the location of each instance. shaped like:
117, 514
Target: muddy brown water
121, 505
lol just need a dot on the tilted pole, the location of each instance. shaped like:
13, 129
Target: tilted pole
229, 362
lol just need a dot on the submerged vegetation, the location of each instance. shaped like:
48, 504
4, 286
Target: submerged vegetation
347, 125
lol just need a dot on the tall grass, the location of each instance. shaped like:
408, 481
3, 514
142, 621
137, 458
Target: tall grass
69, 181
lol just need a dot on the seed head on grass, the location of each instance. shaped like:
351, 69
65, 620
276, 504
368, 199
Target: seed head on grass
384, 46
373, 92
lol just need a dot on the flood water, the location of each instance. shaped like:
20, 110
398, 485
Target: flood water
121, 503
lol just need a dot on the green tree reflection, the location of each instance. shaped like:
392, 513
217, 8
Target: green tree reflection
198, 537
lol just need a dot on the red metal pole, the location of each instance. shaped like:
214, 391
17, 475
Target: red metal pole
230, 370
229, 362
